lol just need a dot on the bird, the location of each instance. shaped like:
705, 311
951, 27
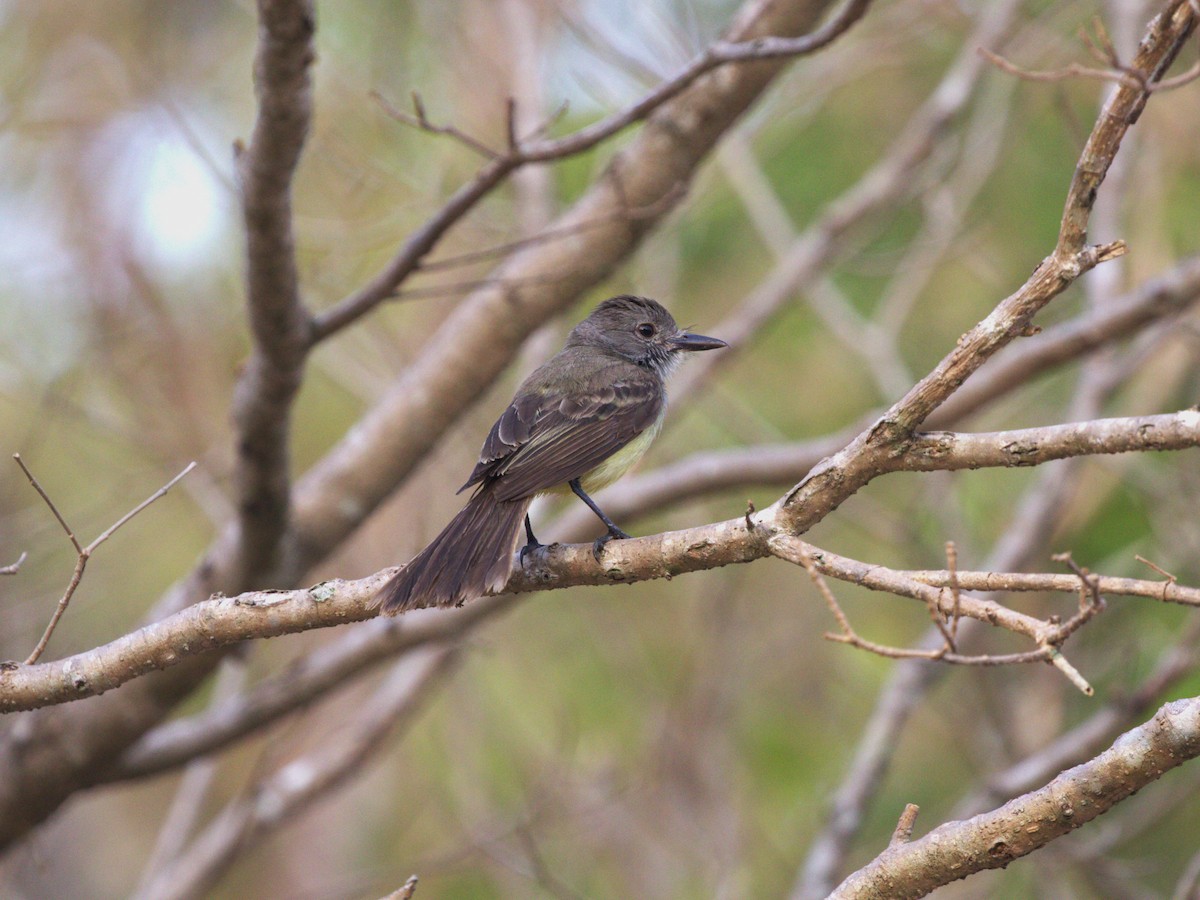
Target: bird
578, 422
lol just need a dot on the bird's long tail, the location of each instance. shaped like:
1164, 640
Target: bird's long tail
472, 555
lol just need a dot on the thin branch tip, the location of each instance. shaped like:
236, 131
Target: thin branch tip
1060, 662
14, 568
83, 554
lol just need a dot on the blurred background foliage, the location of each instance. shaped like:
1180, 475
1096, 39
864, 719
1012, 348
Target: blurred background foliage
669, 739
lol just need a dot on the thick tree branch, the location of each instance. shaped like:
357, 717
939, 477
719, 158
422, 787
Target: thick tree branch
264, 394
945, 450
229, 620
1091, 735
993, 840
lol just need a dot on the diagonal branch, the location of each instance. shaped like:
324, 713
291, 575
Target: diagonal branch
737, 49
82, 554
884, 185
1027, 823
830, 483
311, 677
276, 799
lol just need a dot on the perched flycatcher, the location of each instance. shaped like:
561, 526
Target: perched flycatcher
579, 421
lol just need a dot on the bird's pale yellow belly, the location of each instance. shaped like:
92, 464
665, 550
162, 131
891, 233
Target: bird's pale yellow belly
619, 463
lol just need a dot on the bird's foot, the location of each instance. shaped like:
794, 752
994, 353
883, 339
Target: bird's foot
530, 547
614, 534
531, 542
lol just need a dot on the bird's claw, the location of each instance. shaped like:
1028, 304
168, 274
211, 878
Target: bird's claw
614, 534
530, 547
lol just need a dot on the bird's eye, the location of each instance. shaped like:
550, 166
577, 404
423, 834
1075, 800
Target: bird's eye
646, 330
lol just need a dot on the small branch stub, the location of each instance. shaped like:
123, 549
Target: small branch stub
14, 568
405, 891
904, 827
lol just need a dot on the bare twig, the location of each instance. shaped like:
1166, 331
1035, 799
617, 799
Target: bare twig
1072, 674
1171, 579
421, 120
826, 594
1047, 635
83, 554
1075, 70
952, 566
50, 503
91, 548
14, 568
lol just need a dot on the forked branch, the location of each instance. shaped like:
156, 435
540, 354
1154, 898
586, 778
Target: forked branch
82, 554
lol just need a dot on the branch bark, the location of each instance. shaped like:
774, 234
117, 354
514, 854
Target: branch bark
224, 621
993, 840
263, 398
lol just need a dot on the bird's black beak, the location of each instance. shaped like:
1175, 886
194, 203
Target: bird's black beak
686, 341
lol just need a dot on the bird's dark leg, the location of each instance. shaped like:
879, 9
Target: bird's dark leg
531, 542
614, 533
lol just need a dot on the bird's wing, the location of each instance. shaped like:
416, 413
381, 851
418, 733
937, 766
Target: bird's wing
543, 440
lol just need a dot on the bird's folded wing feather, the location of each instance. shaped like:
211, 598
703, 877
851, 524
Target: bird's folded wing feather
541, 442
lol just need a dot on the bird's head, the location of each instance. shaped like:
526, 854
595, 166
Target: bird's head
640, 330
